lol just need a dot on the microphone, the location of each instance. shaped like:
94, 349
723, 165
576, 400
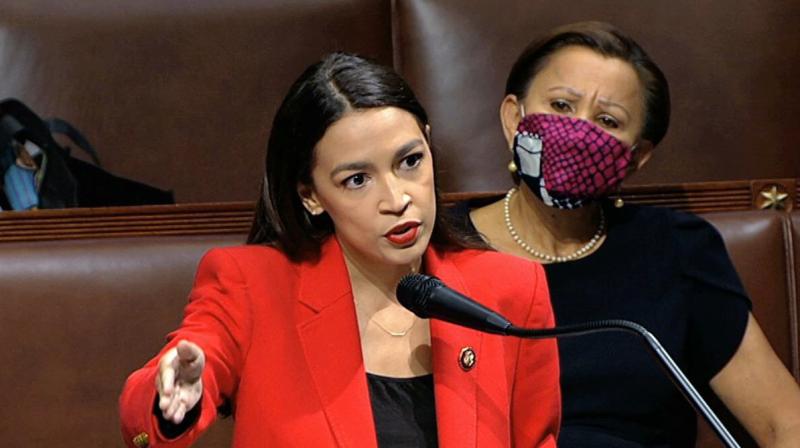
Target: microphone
428, 297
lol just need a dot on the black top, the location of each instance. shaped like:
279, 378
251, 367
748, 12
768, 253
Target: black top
404, 411
670, 272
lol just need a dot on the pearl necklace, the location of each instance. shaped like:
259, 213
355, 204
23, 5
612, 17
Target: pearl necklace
551, 258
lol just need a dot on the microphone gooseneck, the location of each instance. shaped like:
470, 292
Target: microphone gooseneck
428, 297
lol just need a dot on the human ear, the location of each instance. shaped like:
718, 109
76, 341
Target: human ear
428, 134
510, 117
309, 199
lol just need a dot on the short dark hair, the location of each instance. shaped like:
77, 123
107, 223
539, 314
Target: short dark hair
609, 41
323, 93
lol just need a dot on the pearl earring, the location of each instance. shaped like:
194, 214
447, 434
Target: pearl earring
618, 201
512, 167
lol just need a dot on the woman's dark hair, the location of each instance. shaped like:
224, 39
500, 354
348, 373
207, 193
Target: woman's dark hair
610, 42
326, 91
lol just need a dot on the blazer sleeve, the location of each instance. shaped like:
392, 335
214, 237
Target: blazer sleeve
536, 393
218, 319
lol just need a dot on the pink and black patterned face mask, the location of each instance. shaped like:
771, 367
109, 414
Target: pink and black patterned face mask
567, 162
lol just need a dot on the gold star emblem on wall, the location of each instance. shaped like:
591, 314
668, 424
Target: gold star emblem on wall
773, 198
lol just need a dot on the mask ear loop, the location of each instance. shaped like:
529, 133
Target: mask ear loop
512, 166
618, 201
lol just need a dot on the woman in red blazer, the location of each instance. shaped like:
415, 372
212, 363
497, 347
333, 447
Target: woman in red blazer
300, 332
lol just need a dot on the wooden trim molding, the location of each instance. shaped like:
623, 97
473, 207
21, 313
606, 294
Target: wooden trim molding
705, 197
698, 197
236, 217
150, 220
797, 193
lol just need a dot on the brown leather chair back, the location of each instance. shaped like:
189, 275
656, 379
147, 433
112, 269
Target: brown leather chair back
795, 237
77, 318
760, 246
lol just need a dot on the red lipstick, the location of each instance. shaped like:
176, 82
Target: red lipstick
403, 234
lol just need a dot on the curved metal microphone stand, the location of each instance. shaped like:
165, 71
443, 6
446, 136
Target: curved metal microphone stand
675, 373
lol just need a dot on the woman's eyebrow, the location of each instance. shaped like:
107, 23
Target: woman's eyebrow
350, 166
608, 103
407, 148
361, 166
569, 90
602, 101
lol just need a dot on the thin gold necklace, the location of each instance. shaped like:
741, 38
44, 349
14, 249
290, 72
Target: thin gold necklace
396, 334
601, 228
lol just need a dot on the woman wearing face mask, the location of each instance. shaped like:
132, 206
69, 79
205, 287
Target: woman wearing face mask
584, 108
300, 332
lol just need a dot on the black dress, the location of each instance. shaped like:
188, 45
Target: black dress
670, 272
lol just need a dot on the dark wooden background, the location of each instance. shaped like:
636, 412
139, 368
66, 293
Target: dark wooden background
181, 93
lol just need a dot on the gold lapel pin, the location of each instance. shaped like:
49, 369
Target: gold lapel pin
467, 359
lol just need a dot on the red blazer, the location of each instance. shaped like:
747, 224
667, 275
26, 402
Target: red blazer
282, 343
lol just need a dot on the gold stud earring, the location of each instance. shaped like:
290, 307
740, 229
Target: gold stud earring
512, 167
313, 211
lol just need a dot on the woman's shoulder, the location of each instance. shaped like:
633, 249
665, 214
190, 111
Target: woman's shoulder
247, 251
697, 244
496, 268
244, 257
661, 221
482, 258
506, 283
648, 213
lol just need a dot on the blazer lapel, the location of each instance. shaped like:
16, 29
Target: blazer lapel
455, 388
332, 347
331, 344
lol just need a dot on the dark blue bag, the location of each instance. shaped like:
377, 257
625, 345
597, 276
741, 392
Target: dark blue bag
34, 164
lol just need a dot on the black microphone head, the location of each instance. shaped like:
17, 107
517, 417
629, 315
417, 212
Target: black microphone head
414, 290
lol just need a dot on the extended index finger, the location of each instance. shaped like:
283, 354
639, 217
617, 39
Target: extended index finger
166, 372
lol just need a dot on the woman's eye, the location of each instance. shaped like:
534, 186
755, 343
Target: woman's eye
561, 106
609, 122
355, 181
411, 161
